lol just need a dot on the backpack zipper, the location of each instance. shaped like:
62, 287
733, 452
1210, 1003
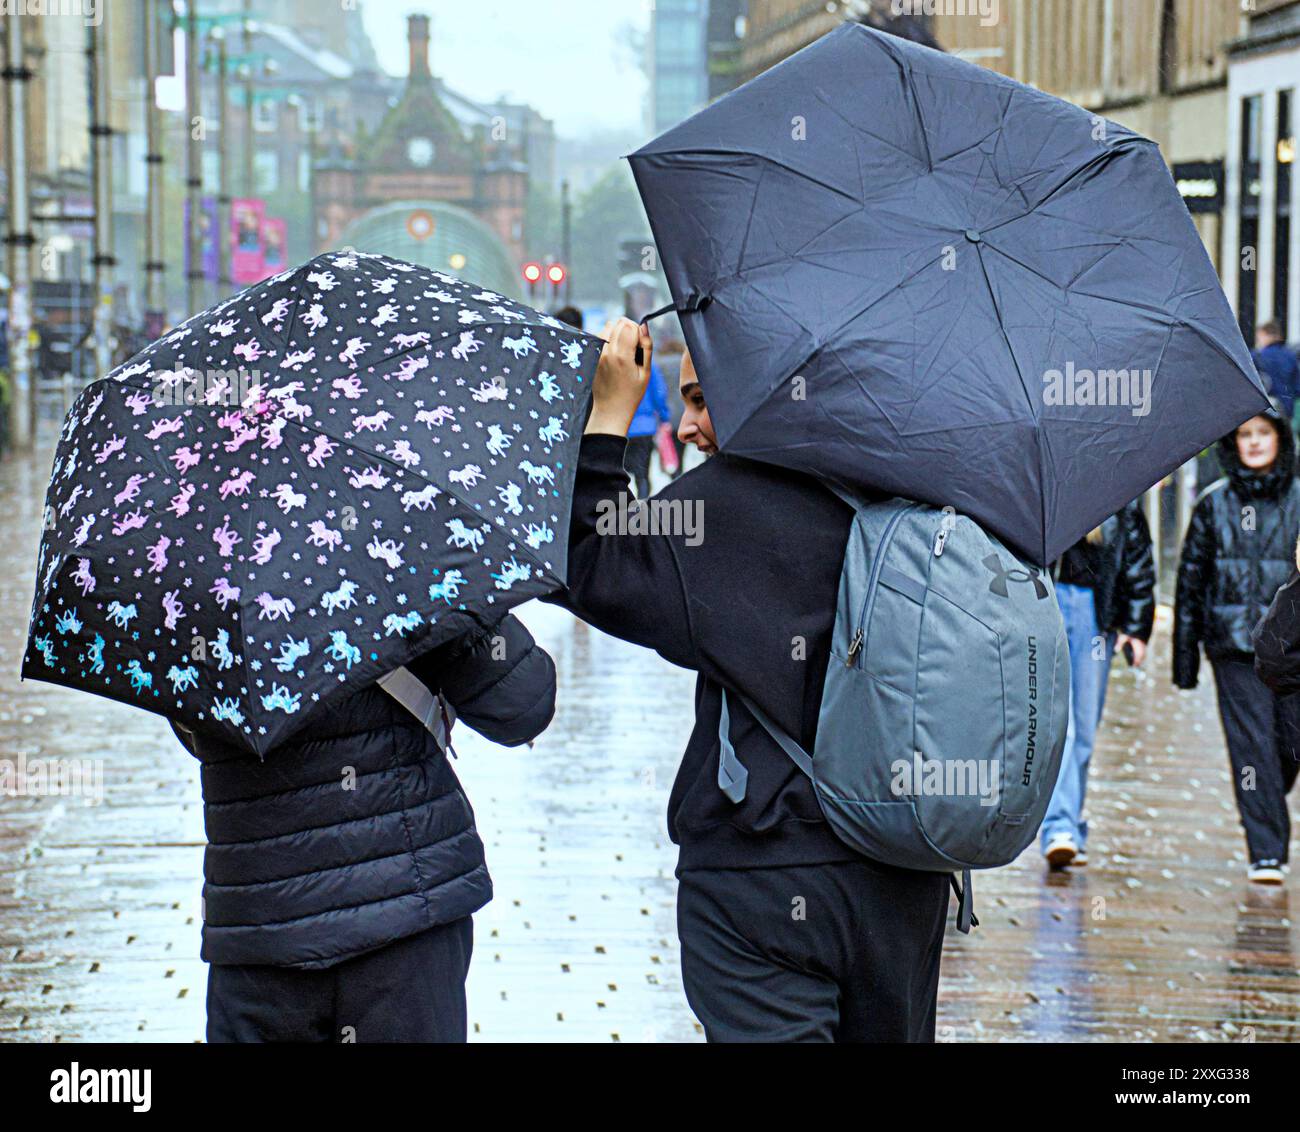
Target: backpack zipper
877, 562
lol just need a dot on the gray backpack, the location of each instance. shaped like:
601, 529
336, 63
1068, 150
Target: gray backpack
944, 713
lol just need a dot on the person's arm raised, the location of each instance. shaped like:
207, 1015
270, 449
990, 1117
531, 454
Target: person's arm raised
620, 378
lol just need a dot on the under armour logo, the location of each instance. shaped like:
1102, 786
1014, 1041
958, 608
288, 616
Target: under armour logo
1001, 575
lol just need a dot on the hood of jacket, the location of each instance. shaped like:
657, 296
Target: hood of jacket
1252, 485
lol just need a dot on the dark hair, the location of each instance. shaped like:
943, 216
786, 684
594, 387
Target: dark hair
1272, 328
570, 315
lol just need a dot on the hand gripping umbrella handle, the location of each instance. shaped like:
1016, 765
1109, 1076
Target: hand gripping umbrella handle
693, 302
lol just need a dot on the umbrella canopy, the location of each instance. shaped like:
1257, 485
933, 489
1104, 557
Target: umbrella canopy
299, 490
901, 271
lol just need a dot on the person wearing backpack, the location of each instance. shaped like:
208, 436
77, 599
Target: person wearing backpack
1105, 584
1237, 554
787, 933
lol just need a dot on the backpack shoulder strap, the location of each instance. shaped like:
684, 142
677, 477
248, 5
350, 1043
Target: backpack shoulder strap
796, 753
433, 711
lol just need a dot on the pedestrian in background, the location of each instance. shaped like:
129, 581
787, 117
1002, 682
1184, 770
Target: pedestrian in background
1238, 553
1105, 586
651, 413
1277, 366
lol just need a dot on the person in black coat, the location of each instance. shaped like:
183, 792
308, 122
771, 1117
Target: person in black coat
786, 933
1238, 552
343, 868
1105, 586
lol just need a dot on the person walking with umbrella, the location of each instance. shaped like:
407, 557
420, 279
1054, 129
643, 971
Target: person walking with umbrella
295, 527
787, 934
1236, 556
1105, 586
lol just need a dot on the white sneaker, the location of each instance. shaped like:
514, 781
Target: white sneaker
1060, 850
1080, 859
1265, 872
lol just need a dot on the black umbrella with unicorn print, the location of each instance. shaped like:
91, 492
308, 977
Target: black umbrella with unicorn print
297, 491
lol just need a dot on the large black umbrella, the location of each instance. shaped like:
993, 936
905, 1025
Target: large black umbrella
299, 490
898, 270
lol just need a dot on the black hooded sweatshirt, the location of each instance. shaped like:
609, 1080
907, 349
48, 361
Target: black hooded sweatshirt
750, 607
1239, 551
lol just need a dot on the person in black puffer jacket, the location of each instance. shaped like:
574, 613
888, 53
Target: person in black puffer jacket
1237, 554
342, 870
1105, 586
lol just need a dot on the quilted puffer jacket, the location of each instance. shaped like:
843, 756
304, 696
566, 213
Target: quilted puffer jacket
357, 833
1239, 551
1123, 579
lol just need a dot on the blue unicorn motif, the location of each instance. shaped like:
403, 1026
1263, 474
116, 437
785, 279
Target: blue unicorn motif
183, 678
401, 625
140, 679
512, 571
227, 711
449, 588
281, 700
46, 647
339, 649
221, 651
120, 614
291, 652
68, 622
95, 656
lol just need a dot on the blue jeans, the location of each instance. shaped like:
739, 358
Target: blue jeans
1090, 653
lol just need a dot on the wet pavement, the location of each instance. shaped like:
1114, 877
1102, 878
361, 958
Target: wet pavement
1159, 938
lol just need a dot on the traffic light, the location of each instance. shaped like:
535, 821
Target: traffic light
532, 275
555, 273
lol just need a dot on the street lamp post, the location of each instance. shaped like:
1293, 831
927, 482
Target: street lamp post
193, 162
155, 317
101, 135
19, 241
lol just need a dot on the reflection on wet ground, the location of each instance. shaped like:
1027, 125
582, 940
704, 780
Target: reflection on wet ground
1158, 938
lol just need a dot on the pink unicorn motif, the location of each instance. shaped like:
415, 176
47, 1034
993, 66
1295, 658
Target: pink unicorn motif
377, 422
173, 608
180, 504
350, 387
354, 349
83, 578
224, 592
411, 366
321, 535
277, 314
407, 341
166, 426
226, 539
237, 484
109, 448
139, 403
242, 436
233, 420
129, 491
274, 608
439, 416
185, 459
250, 351
263, 545
157, 554
272, 433
371, 477
132, 521
322, 448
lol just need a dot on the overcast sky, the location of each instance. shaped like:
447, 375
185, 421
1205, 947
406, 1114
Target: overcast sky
573, 60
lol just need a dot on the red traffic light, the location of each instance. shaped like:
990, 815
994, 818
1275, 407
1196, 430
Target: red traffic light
555, 273
532, 272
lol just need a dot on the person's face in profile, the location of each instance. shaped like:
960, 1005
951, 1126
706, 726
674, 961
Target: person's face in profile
696, 427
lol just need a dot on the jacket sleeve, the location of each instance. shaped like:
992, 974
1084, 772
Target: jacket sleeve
659, 394
499, 680
1195, 570
626, 584
1277, 641
1137, 577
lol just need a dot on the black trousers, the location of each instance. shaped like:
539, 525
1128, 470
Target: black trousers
410, 991
1263, 736
636, 460
843, 952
